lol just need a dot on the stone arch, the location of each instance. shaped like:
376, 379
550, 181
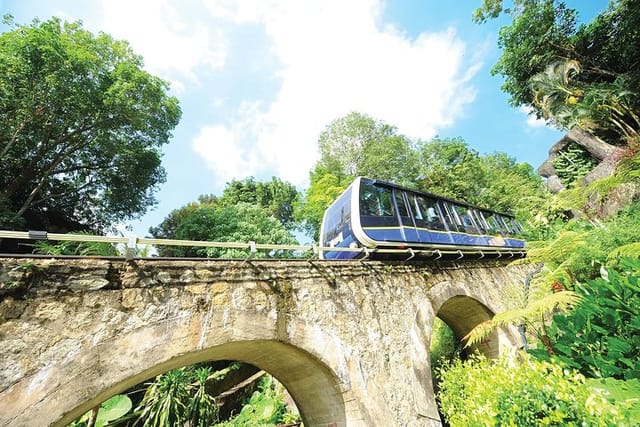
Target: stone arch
458, 306
319, 386
462, 309
462, 314
312, 385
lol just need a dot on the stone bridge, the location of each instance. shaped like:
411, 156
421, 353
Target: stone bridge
348, 339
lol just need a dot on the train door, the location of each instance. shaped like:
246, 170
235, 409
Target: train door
429, 220
405, 216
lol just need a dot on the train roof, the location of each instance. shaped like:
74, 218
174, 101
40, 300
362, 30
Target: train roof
391, 184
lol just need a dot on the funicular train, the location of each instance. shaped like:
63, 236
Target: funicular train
374, 218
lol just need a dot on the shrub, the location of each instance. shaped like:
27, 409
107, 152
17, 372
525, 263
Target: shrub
444, 345
601, 336
523, 392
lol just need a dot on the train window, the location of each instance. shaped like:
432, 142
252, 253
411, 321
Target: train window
496, 223
377, 206
450, 217
428, 213
402, 207
479, 220
492, 225
375, 201
506, 222
464, 219
517, 227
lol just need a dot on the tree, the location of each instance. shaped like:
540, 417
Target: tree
351, 146
604, 108
168, 227
585, 76
450, 168
246, 211
538, 36
81, 127
323, 189
241, 223
276, 197
358, 145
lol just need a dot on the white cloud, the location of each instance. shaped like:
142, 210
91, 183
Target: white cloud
532, 120
173, 41
335, 59
223, 153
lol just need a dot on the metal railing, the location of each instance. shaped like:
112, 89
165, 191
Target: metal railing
131, 244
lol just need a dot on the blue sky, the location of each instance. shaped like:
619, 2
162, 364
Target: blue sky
258, 80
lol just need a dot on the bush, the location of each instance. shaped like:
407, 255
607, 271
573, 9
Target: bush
581, 247
527, 392
601, 336
444, 345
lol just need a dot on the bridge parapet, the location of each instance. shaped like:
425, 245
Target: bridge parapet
349, 339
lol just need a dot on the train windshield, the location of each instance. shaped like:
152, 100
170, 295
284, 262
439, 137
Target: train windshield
376, 205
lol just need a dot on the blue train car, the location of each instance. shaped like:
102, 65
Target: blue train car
373, 215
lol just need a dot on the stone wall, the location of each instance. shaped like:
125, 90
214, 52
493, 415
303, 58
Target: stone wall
349, 340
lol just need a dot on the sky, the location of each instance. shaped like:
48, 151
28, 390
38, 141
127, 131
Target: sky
258, 80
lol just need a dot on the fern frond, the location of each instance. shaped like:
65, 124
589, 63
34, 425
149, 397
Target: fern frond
533, 312
479, 333
631, 250
562, 301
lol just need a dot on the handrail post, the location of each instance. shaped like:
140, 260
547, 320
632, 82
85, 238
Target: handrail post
132, 246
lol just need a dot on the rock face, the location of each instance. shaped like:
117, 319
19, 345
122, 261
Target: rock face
606, 154
349, 340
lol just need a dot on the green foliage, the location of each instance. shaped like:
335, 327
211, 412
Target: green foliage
324, 188
240, 223
264, 408
277, 197
583, 76
572, 164
247, 211
532, 316
522, 392
76, 248
167, 228
8, 218
450, 168
623, 393
166, 400
202, 409
537, 37
601, 337
444, 346
177, 397
81, 127
110, 410
356, 145
580, 247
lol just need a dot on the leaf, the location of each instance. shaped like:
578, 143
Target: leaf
618, 345
112, 409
